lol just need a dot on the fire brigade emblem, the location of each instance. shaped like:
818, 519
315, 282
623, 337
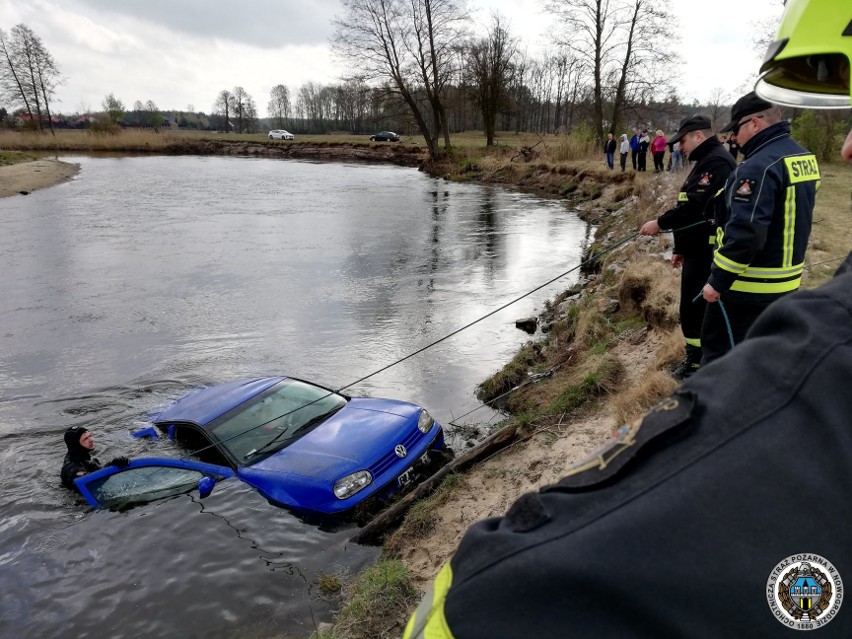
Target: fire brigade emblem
705, 180
744, 189
804, 591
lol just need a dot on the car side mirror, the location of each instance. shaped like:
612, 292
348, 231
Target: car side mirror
205, 486
150, 431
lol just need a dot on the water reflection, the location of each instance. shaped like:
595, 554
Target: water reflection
147, 277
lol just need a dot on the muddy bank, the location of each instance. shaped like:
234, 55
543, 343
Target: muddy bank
404, 155
25, 177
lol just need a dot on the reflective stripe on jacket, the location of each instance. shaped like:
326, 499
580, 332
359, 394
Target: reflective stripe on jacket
712, 167
765, 221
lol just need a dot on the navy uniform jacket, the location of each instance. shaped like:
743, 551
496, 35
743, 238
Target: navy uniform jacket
713, 165
764, 227
675, 529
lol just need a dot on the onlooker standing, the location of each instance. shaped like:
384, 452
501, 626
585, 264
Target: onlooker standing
609, 151
658, 148
634, 149
733, 147
763, 225
625, 149
644, 143
677, 157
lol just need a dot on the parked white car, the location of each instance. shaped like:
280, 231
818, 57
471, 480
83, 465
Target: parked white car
281, 134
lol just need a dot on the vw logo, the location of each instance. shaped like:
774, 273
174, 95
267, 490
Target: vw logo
400, 451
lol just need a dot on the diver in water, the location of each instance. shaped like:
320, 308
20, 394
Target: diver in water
79, 460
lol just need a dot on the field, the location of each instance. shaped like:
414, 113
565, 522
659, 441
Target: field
831, 238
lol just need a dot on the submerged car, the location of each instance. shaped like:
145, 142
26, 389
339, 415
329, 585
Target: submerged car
300, 445
385, 136
280, 134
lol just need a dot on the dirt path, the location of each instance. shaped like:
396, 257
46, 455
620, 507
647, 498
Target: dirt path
25, 177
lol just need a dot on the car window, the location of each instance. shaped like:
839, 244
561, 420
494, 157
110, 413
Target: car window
274, 419
140, 485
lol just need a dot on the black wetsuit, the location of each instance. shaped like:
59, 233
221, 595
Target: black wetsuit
78, 460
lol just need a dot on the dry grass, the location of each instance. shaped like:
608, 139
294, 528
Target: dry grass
648, 286
635, 401
831, 236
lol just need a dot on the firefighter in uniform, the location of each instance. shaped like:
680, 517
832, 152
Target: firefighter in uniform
762, 225
693, 240
714, 514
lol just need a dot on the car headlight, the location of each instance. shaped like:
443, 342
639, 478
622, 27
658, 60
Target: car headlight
424, 423
347, 486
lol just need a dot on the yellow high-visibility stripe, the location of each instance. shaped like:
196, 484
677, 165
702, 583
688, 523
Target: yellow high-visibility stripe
693, 342
789, 226
712, 240
802, 168
428, 621
766, 287
682, 197
728, 264
774, 272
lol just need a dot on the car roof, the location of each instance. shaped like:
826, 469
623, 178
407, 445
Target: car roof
204, 405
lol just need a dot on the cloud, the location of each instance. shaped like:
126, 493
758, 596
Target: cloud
260, 23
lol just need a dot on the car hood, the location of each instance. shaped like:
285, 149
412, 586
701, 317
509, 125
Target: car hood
352, 439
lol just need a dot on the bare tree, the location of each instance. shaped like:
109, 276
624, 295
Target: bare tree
491, 70
622, 45
719, 99
138, 107
29, 72
279, 104
240, 98
224, 105
406, 46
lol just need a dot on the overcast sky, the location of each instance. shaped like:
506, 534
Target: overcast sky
183, 52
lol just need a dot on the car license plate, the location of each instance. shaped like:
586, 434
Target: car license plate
405, 478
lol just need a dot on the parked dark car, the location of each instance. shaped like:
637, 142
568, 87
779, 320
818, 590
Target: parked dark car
384, 136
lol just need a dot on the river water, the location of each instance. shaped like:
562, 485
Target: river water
145, 277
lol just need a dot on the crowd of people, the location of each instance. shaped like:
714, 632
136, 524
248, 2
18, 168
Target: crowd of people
641, 142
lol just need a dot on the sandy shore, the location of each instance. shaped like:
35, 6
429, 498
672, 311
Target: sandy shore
16, 179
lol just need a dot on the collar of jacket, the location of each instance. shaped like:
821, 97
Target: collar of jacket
703, 149
780, 129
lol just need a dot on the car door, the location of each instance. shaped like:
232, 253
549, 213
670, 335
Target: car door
148, 479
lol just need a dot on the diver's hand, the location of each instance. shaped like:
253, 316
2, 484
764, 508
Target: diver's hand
121, 462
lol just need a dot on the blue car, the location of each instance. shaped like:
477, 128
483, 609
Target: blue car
300, 445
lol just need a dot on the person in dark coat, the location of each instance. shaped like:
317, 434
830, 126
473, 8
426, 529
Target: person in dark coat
79, 460
634, 148
693, 236
644, 143
609, 151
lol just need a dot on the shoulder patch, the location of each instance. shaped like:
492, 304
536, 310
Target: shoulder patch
669, 417
705, 179
745, 189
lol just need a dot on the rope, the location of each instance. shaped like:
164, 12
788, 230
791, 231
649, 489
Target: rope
724, 315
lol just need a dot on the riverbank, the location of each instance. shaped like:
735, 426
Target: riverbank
602, 360
27, 175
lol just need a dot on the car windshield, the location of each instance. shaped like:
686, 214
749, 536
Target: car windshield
274, 419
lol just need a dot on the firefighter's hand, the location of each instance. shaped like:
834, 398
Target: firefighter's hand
677, 260
710, 294
650, 228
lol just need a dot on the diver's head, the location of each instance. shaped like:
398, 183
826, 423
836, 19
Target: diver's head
79, 440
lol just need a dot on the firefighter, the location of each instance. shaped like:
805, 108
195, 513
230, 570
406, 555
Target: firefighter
693, 245
708, 517
762, 225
